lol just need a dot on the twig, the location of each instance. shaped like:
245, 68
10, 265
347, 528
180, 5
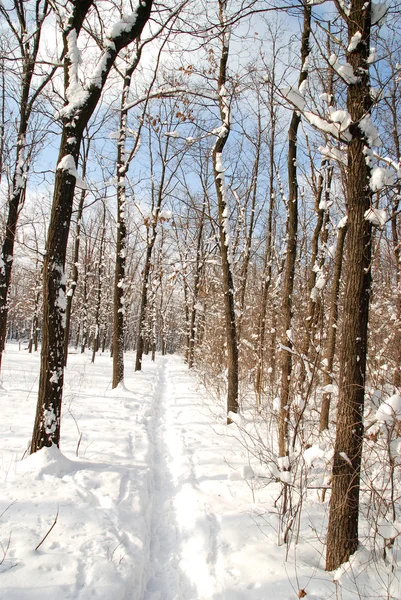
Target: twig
79, 443
55, 521
5, 550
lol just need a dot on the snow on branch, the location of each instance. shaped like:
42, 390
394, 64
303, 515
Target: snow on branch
67, 163
118, 36
344, 70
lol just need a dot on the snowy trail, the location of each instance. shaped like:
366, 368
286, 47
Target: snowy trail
171, 539
149, 490
186, 549
164, 579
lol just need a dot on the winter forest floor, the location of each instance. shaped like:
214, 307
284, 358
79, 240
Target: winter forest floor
153, 498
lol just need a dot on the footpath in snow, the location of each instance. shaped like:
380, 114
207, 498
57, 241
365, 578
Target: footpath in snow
147, 496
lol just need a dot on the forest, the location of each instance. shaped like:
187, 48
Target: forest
221, 180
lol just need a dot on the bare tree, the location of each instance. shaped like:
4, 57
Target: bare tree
342, 535
223, 210
26, 29
291, 250
75, 116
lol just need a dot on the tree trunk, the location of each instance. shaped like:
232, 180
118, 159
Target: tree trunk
267, 270
100, 269
75, 259
151, 239
330, 346
289, 271
119, 281
223, 211
342, 535
198, 272
75, 118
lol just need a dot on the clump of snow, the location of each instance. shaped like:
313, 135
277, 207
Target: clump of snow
165, 214
319, 285
334, 153
123, 26
245, 472
330, 389
96, 78
345, 457
313, 453
344, 7
340, 116
372, 56
356, 38
370, 131
344, 70
326, 97
48, 461
390, 409
294, 96
67, 163
376, 216
379, 12
332, 128
381, 177
75, 93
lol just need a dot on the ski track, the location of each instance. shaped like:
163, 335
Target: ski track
184, 532
164, 579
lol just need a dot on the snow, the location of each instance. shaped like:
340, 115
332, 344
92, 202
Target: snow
152, 496
326, 97
356, 38
67, 163
344, 70
345, 457
376, 216
330, 389
340, 116
75, 93
334, 153
379, 12
333, 129
165, 214
390, 409
123, 26
96, 78
294, 96
314, 453
372, 57
370, 131
381, 177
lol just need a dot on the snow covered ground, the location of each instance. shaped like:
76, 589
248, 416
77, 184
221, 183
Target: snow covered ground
152, 497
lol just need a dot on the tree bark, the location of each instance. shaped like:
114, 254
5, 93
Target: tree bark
289, 271
223, 213
342, 535
100, 271
330, 345
197, 278
75, 259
